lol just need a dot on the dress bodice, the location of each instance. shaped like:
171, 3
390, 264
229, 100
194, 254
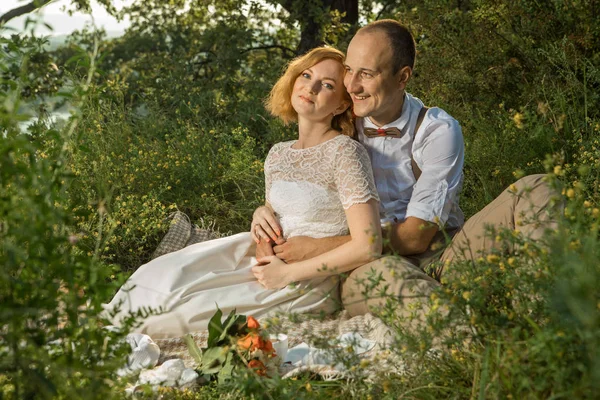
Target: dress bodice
309, 189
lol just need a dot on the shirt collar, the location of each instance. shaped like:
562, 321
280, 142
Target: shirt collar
399, 123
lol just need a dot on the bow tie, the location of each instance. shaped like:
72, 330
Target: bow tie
372, 132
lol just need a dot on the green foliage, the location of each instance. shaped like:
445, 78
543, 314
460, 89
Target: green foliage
52, 342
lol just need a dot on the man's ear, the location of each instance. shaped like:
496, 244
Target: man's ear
404, 76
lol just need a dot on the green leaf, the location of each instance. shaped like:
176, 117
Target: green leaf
214, 328
213, 359
227, 369
193, 348
231, 324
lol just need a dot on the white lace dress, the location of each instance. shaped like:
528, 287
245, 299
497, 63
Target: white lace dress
309, 189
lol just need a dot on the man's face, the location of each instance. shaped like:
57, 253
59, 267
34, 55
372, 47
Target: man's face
376, 92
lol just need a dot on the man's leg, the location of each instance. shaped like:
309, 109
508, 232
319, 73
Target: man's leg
368, 287
532, 206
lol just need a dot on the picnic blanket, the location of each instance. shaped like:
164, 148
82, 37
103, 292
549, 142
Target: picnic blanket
299, 329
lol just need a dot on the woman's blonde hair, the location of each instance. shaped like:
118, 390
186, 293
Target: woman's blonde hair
279, 102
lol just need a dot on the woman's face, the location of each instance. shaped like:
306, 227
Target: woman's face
319, 91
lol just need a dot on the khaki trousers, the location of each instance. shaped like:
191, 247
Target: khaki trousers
531, 206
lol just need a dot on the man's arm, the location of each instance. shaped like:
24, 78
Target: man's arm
301, 248
411, 236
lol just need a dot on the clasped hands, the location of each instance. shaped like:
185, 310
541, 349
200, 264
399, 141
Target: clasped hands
273, 252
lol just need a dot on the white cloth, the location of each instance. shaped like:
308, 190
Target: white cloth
144, 353
438, 150
172, 373
309, 189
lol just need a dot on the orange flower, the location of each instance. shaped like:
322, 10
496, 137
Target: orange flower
251, 341
258, 367
252, 323
268, 347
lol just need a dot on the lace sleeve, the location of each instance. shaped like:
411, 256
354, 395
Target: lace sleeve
270, 162
354, 175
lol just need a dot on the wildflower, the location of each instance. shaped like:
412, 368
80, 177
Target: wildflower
570, 193
252, 323
251, 341
466, 295
518, 120
492, 258
258, 367
386, 386
558, 170
513, 188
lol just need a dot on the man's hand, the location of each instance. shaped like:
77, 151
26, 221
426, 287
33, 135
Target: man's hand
265, 225
264, 249
299, 248
271, 272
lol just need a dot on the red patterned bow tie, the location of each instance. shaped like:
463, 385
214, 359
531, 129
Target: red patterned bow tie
372, 132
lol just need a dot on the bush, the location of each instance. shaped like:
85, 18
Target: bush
52, 341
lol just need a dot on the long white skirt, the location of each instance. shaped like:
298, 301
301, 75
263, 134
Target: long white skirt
190, 283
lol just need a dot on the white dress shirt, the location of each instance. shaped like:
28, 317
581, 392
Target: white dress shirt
438, 150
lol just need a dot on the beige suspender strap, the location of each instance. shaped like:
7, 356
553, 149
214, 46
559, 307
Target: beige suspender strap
415, 167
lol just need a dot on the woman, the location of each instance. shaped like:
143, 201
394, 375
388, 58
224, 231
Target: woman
319, 185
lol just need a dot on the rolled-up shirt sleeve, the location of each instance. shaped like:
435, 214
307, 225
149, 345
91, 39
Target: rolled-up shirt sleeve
438, 150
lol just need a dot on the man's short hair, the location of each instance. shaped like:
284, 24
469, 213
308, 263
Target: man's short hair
401, 40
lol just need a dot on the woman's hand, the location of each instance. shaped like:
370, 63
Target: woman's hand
265, 226
271, 272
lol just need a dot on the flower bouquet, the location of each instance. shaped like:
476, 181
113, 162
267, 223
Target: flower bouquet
234, 343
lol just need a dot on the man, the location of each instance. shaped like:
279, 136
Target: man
417, 154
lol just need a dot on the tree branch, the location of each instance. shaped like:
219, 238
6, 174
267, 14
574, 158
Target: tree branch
287, 5
383, 10
272, 46
25, 9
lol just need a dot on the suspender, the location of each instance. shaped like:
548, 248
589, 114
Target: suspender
415, 167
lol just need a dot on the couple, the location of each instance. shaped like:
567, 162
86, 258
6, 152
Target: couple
328, 197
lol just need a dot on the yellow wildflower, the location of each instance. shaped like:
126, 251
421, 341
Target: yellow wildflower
492, 258
518, 119
558, 170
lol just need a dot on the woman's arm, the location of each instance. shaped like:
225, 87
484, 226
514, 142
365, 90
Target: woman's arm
364, 246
